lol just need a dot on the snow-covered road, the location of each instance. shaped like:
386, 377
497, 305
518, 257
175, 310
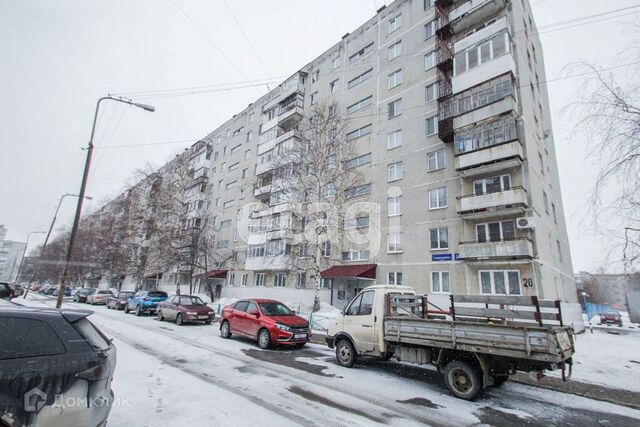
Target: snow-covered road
169, 375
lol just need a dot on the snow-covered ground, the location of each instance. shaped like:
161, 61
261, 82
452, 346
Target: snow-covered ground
170, 375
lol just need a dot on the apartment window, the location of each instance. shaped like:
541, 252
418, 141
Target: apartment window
545, 199
251, 117
394, 243
333, 86
494, 184
359, 222
431, 125
354, 255
394, 79
362, 52
395, 23
395, 171
329, 190
325, 248
363, 103
359, 161
236, 148
315, 76
249, 135
481, 53
439, 238
247, 154
394, 108
440, 282
559, 249
238, 131
486, 135
228, 204
394, 206
430, 28
301, 279
395, 278
358, 190
279, 280
313, 98
260, 279
394, 139
224, 151
431, 92
365, 130
232, 279
234, 166
244, 279
335, 62
496, 231
438, 198
541, 161
430, 60
395, 50
360, 78
500, 282
231, 185
553, 210
220, 182
435, 160
226, 223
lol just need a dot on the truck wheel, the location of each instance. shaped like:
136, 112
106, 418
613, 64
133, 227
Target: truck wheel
463, 380
345, 353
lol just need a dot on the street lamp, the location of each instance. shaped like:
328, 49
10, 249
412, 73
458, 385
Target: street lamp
46, 240
83, 186
24, 252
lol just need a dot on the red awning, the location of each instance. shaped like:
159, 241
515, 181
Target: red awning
364, 271
214, 274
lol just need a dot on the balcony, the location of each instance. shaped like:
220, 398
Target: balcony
491, 205
474, 12
262, 190
268, 263
280, 233
490, 159
267, 166
291, 112
504, 249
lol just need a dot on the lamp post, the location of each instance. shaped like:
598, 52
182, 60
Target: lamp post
46, 239
83, 186
24, 251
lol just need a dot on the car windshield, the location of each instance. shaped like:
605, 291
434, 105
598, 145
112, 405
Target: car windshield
191, 301
86, 291
275, 309
125, 294
104, 292
157, 294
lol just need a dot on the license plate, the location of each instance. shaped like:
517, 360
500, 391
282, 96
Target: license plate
300, 336
203, 317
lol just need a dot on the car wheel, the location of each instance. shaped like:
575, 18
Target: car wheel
264, 339
126, 309
138, 311
160, 316
225, 330
179, 319
207, 322
345, 353
463, 379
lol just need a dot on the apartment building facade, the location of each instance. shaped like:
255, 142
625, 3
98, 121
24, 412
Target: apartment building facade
11, 254
448, 114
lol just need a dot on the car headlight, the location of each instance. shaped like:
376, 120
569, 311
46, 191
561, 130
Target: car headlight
283, 327
191, 313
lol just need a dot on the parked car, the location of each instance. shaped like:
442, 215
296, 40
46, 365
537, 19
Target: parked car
185, 309
67, 291
50, 290
145, 302
119, 300
35, 287
269, 322
17, 290
610, 317
99, 297
44, 288
52, 357
6, 291
82, 294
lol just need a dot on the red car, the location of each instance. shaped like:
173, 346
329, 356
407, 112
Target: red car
185, 309
267, 321
610, 317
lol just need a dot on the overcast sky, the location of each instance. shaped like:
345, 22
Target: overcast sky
58, 57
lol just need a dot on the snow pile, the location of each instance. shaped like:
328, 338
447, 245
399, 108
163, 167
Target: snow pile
321, 318
219, 304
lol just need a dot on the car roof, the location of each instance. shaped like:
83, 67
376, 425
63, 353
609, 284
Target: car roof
27, 311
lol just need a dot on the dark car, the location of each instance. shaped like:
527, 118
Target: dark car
119, 300
6, 291
17, 290
51, 361
267, 321
82, 294
50, 291
67, 291
610, 318
145, 302
185, 309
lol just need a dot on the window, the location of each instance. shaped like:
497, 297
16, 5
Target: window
333, 86
301, 279
394, 278
500, 282
430, 60
313, 98
431, 92
395, 50
359, 222
553, 210
485, 135
325, 248
395, 243
477, 96
315, 76
431, 124
496, 231
394, 139
260, 279
438, 198
249, 135
232, 279
329, 190
395, 171
251, 117
435, 161
279, 280
440, 282
362, 52
363, 103
20, 337
236, 148
234, 166
439, 238
365, 130
227, 204
226, 223
428, 4
359, 79
491, 185
241, 305
359, 161
394, 79
481, 53
430, 29
545, 199
395, 108
395, 23
358, 191
354, 255
362, 305
335, 62
394, 206
559, 249
238, 131
247, 154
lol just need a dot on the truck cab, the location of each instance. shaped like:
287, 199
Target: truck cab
361, 322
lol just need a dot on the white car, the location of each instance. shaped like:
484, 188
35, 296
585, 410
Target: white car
99, 297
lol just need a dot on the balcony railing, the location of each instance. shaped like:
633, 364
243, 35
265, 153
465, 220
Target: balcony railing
493, 203
492, 158
519, 247
487, 134
476, 97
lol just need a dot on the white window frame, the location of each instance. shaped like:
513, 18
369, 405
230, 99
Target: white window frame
280, 280
434, 121
397, 108
430, 60
394, 243
244, 279
440, 275
434, 89
430, 29
395, 171
260, 279
394, 79
394, 278
395, 23
492, 282
484, 184
438, 205
396, 203
357, 106
394, 139
487, 233
439, 159
439, 231
394, 50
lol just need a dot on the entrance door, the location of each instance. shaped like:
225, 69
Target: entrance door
359, 321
